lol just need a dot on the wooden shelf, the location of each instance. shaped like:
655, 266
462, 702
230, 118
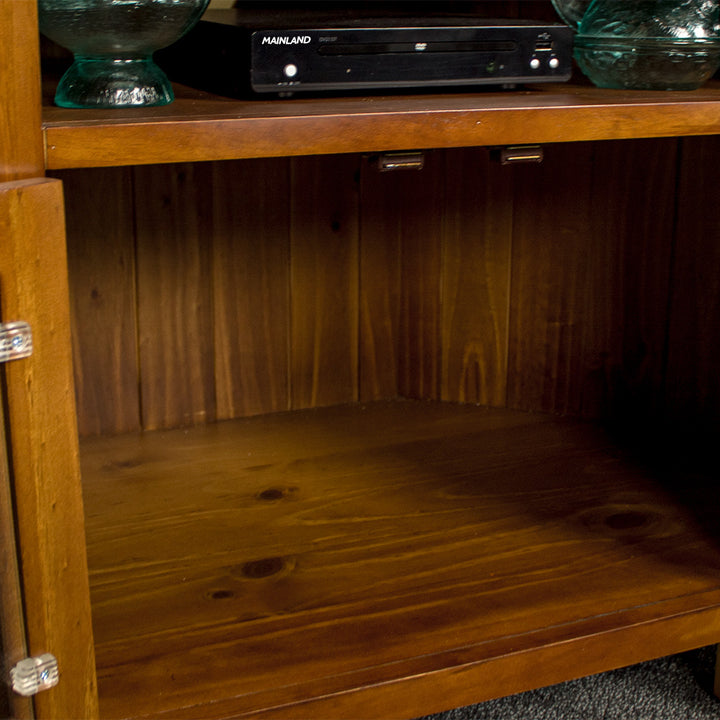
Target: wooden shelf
198, 127
383, 560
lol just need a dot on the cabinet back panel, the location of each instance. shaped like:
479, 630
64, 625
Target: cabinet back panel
251, 293
694, 338
323, 280
174, 287
591, 261
477, 245
101, 258
266, 285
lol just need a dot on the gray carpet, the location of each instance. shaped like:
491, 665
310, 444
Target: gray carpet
678, 687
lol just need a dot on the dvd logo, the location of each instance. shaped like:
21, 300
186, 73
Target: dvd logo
286, 40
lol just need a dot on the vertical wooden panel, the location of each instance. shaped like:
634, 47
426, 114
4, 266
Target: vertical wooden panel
590, 263
420, 199
476, 274
101, 259
552, 222
13, 646
324, 281
174, 294
693, 384
251, 286
21, 156
633, 207
21, 143
43, 434
380, 279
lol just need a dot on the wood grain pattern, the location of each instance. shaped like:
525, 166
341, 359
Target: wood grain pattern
633, 208
251, 286
324, 281
43, 440
477, 242
175, 328
198, 128
384, 212
320, 556
275, 280
420, 199
21, 141
552, 222
591, 258
13, 645
101, 264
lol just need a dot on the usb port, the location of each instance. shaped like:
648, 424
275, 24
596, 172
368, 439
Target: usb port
543, 44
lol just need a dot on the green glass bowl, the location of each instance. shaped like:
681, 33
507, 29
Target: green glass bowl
571, 11
651, 19
647, 63
112, 42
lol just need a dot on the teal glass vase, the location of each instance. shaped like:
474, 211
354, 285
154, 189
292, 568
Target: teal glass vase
571, 11
645, 44
112, 42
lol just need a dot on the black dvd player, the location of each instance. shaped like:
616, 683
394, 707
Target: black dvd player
228, 52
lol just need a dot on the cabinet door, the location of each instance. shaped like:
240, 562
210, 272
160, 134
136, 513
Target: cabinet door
42, 448
12, 622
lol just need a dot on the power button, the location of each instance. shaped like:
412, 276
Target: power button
290, 70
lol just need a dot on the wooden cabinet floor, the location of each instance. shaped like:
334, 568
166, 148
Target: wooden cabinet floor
385, 560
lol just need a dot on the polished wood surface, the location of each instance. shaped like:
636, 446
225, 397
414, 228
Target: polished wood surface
375, 560
21, 156
13, 646
197, 127
21, 143
385, 560
43, 445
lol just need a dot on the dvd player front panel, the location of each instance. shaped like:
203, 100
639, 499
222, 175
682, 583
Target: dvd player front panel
362, 58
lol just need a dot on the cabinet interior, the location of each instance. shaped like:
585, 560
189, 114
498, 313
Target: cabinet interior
582, 286
431, 381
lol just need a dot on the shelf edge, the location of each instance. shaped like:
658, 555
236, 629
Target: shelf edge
186, 139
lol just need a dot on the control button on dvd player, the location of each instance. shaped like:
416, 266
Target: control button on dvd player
290, 70
535, 64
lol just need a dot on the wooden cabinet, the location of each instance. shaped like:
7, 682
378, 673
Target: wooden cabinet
300, 438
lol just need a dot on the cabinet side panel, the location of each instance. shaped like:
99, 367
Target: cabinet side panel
324, 280
593, 233
21, 144
693, 378
477, 239
43, 440
101, 261
174, 249
251, 286
13, 645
